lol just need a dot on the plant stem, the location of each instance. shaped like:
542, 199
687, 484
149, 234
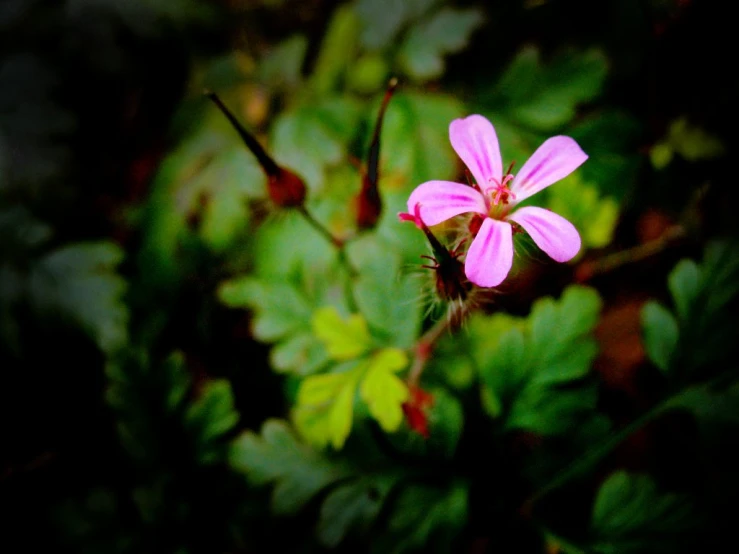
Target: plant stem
588, 270
425, 345
590, 458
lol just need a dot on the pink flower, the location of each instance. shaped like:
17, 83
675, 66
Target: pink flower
494, 198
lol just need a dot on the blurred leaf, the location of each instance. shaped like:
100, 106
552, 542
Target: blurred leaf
311, 137
382, 20
416, 141
631, 515
525, 368
344, 339
687, 140
368, 74
276, 456
79, 282
660, 334
351, 506
337, 50
542, 97
445, 32
281, 309
211, 416
383, 391
398, 315
705, 297
425, 519
611, 140
282, 67
594, 216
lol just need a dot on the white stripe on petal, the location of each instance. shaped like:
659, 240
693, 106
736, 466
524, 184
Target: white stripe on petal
490, 256
441, 200
551, 232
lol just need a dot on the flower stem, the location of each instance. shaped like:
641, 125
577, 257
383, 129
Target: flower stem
318, 226
588, 270
425, 345
586, 462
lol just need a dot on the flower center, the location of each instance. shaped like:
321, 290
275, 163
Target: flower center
499, 191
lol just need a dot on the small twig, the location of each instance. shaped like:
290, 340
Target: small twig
588, 270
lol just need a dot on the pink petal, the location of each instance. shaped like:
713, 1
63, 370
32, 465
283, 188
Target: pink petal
552, 161
441, 200
551, 232
490, 256
474, 140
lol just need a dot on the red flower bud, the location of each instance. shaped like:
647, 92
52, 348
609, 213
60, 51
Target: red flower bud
284, 187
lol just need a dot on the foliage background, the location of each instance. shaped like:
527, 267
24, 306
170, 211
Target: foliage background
144, 279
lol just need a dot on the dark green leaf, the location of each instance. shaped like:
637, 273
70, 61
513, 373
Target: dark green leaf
297, 471
446, 32
660, 334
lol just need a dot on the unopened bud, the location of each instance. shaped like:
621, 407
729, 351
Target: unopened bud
284, 187
369, 203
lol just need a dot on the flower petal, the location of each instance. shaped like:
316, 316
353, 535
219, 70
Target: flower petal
490, 256
552, 161
474, 140
551, 232
441, 200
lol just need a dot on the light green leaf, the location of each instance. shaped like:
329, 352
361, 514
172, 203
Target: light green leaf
383, 391
660, 334
325, 407
445, 32
344, 339
594, 216
298, 471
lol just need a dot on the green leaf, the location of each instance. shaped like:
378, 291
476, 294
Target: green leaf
684, 284
383, 391
415, 144
276, 456
337, 50
631, 515
280, 308
525, 364
425, 519
325, 407
581, 204
349, 507
311, 137
398, 315
78, 282
344, 339
542, 97
282, 67
660, 334
692, 142
445, 32
382, 20
211, 416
